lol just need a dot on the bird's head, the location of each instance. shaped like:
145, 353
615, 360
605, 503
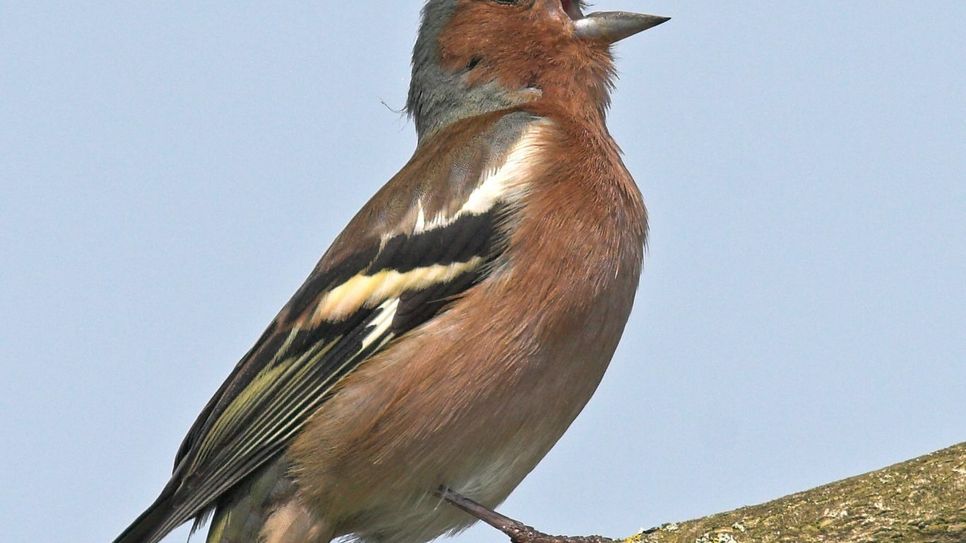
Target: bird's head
474, 56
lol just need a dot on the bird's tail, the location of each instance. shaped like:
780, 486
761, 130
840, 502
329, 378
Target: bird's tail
239, 514
153, 524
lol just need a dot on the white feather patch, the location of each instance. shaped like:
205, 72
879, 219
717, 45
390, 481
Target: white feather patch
503, 182
382, 322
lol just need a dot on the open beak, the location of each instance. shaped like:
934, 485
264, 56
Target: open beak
611, 26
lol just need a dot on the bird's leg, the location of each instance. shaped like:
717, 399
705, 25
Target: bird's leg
516, 530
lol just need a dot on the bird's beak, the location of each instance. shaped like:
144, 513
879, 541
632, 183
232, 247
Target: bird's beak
613, 26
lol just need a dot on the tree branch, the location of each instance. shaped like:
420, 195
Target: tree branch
918, 501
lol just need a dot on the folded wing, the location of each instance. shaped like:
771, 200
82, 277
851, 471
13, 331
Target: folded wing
435, 230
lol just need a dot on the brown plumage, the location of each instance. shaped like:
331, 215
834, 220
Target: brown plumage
486, 388
460, 322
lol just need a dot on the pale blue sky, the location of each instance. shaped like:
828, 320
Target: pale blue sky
171, 171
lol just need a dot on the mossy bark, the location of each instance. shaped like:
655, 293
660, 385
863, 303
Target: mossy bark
918, 501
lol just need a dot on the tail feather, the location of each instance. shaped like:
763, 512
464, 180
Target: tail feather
149, 527
239, 514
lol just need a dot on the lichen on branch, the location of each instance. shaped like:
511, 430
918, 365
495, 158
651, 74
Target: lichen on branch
918, 501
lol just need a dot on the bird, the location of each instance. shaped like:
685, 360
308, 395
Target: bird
459, 323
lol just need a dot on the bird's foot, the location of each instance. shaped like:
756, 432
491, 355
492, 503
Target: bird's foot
516, 530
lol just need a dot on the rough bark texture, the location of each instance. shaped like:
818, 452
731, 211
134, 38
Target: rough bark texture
921, 500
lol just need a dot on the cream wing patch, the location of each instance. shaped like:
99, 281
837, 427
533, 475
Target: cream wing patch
371, 290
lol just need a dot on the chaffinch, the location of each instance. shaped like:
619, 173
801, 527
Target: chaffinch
459, 323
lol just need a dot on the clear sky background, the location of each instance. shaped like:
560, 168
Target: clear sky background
171, 171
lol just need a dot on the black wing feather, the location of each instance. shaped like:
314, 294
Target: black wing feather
227, 444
